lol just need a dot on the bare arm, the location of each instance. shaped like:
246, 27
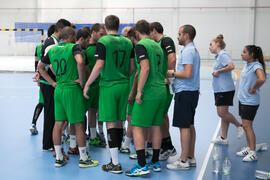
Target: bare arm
133, 89
171, 61
80, 67
261, 79
185, 74
44, 73
143, 78
95, 73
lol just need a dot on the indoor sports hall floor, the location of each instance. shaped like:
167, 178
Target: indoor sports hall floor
21, 155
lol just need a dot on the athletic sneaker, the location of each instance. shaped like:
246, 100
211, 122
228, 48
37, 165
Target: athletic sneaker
63, 153
124, 150
243, 152
88, 163
165, 154
74, 151
137, 170
134, 156
60, 163
178, 165
192, 162
252, 156
240, 132
219, 140
33, 129
117, 169
261, 147
154, 166
101, 136
97, 142
47, 150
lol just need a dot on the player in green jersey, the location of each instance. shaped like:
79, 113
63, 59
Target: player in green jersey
125, 147
68, 65
97, 31
113, 56
169, 58
150, 102
39, 106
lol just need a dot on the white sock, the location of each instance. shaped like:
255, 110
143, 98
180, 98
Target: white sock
127, 142
114, 155
100, 129
83, 154
73, 141
93, 133
145, 147
58, 152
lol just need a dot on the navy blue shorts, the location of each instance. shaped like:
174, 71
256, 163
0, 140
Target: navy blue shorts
184, 108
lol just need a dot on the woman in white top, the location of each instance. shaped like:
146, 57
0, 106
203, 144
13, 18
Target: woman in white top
223, 88
251, 79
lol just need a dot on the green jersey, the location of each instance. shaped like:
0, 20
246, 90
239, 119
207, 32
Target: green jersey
64, 64
167, 45
154, 87
90, 54
116, 51
38, 51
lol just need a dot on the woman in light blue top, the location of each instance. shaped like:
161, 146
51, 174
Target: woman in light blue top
223, 88
251, 79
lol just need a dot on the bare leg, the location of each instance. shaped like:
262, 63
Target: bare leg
192, 141
185, 143
57, 132
250, 135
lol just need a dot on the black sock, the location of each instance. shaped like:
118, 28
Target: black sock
155, 157
141, 157
37, 112
167, 143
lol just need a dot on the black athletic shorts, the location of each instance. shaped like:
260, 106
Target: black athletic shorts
247, 112
184, 108
224, 98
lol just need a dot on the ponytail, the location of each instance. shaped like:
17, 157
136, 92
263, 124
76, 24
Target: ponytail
257, 54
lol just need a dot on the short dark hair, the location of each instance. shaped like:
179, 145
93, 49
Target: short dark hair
131, 32
88, 29
143, 27
82, 33
67, 31
61, 23
51, 30
157, 26
190, 30
96, 27
112, 22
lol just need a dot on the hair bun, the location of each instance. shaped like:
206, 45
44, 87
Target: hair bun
220, 36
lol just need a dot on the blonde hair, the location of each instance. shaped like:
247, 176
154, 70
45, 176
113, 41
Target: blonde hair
220, 41
125, 30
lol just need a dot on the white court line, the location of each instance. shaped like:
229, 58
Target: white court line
207, 157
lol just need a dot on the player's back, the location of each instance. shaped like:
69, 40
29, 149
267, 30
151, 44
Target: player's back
116, 66
64, 64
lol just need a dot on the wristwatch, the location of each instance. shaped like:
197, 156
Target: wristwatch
173, 74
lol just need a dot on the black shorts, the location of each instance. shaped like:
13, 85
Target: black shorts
247, 112
224, 98
184, 108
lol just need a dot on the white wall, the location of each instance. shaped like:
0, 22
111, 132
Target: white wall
232, 18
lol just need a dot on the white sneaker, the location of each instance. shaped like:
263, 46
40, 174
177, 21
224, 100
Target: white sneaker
178, 165
240, 132
243, 152
219, 140
252, 156
192, 162
261, 147
165, 154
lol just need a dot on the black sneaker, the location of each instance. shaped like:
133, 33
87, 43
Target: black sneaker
60, 163
117, 169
